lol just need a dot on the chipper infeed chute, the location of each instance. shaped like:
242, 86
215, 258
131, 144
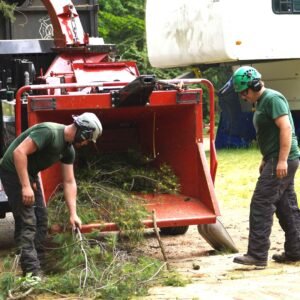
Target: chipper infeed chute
157, 118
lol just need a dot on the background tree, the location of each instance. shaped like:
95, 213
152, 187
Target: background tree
123, 23
7, 10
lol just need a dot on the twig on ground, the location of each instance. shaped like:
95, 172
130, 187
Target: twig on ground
86, 268
11, 296
159, 240
155, 274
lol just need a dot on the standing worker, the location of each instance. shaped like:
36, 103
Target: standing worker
34, 150
274, 191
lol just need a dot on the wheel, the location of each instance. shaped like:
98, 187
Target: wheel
7, 228
217, 236
174, 230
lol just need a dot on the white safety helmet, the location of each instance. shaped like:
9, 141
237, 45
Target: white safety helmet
88, 127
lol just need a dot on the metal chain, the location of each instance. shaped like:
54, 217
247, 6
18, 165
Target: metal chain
73, 23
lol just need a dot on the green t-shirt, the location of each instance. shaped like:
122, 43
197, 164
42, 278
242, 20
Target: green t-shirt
270, 106
52, 147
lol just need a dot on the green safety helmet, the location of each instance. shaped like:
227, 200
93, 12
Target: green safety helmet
245, 77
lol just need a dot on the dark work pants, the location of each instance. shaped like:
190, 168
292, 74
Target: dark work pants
274, 195
30, 222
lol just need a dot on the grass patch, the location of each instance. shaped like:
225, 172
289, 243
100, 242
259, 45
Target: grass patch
175, 279
237, 175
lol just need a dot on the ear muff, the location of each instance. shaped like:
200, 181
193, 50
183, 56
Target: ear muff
255, 84
83, 133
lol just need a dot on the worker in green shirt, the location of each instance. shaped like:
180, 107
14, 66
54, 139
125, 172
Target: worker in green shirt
274, 191
36, 149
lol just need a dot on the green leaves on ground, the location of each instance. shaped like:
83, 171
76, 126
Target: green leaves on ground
89, 269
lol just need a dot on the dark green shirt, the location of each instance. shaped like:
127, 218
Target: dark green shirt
270, 106
52, 147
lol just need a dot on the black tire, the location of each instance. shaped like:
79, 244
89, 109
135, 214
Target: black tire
217, 236
7, 228
174, 230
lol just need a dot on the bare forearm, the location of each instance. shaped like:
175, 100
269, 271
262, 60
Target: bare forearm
20, 161
70, 193
285, 143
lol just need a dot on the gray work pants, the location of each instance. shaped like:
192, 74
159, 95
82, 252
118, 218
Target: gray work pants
30, 222
274, 195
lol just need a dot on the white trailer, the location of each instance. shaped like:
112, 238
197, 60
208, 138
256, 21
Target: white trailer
186, 32
261, 33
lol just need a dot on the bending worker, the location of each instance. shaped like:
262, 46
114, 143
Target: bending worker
36, 149
274, 191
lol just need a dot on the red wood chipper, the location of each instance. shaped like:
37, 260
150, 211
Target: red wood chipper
162, 118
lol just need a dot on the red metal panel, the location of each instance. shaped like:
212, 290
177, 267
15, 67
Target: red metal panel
67, 28
170, 210
167, 131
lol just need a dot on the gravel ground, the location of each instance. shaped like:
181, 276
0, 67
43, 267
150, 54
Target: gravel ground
218, 277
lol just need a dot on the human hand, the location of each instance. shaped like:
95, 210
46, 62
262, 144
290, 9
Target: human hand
28, 196
281, 169
75, 221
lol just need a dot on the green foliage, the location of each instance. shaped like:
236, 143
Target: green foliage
17, 286
8, 10
6, 263
175, 279
7, 280
138, 270
123, 23
64, 283
88, 268
110, 189
218, 75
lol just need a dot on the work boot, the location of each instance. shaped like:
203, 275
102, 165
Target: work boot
249, 261
283, 258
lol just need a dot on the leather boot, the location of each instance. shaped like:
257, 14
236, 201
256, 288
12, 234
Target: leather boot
249, 261
283, 258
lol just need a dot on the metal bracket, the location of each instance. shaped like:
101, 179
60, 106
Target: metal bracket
37, 104
188, 98
115, 98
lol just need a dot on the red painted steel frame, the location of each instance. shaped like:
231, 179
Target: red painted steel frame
168, 131
67, 27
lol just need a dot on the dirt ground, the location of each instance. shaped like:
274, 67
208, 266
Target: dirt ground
217, 276
214, 275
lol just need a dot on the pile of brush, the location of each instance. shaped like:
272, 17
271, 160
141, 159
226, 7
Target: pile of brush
109, 186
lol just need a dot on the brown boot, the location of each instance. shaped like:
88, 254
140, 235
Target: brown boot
249, 261
283, 258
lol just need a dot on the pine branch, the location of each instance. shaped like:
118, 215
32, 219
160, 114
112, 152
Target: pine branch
8, 10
